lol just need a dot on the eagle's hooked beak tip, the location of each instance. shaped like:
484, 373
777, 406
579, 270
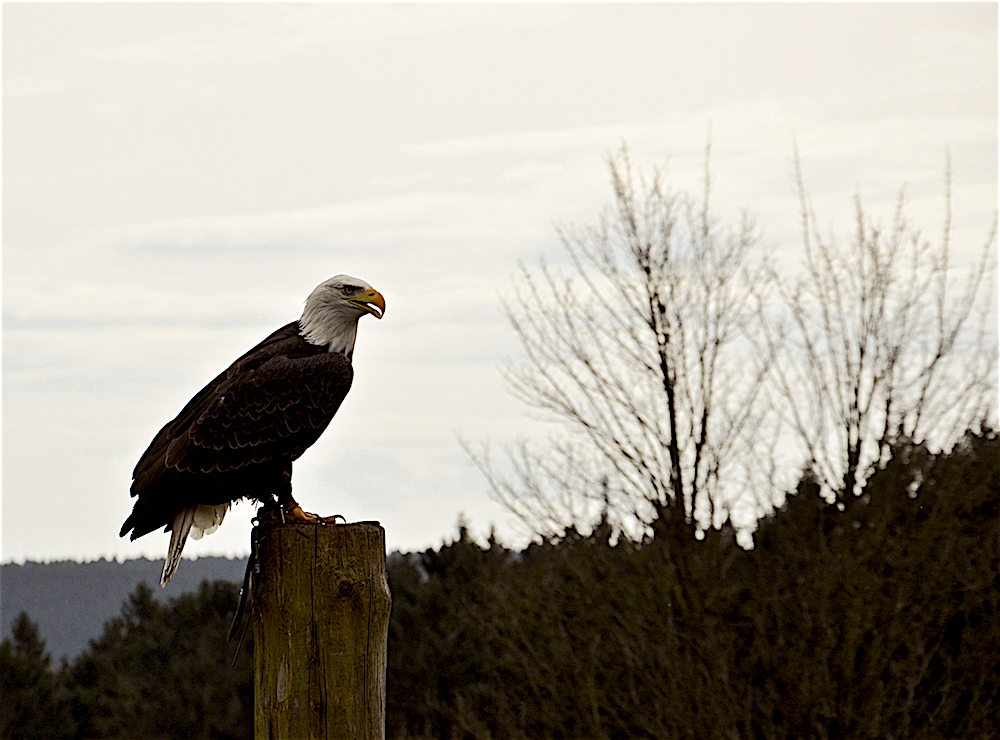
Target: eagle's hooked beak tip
372, 302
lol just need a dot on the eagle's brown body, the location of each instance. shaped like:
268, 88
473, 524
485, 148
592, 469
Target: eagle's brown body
238, 436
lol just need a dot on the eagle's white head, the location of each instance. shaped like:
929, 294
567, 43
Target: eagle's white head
330, 318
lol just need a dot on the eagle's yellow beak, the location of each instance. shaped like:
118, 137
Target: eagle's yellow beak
370, 301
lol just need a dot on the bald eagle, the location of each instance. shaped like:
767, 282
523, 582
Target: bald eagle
237, 438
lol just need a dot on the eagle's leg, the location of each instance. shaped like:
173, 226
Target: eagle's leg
288, 507
284, 508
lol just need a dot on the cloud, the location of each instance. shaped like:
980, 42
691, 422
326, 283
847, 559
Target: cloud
178, 180
30, 86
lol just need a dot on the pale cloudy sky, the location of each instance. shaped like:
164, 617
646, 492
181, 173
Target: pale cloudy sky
178, 177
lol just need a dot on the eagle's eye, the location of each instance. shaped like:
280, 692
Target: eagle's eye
348, 289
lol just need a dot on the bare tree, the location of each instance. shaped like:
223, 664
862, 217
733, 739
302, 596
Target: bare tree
640, 353
880, 344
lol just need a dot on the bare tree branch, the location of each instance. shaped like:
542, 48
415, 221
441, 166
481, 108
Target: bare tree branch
640, 353
880, 346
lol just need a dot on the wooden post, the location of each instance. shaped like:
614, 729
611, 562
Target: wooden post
320, 628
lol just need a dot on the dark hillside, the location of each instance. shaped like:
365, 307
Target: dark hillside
70, 601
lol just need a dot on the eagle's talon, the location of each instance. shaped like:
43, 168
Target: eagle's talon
298, 514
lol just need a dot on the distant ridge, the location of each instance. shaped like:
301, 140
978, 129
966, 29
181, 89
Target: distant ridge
71, 601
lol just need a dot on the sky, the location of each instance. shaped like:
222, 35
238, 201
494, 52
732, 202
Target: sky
178, 177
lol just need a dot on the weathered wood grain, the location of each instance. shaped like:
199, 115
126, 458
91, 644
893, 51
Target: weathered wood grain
321, 619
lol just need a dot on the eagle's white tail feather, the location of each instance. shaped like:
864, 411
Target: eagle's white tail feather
194, 520
207, 519
178, 536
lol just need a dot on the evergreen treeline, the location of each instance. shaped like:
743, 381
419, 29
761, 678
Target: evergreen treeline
874, 619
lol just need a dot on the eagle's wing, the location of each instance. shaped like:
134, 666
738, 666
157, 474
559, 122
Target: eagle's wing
273, 411
270, 404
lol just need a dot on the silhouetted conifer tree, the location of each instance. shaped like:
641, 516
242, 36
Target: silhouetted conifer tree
30, 707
